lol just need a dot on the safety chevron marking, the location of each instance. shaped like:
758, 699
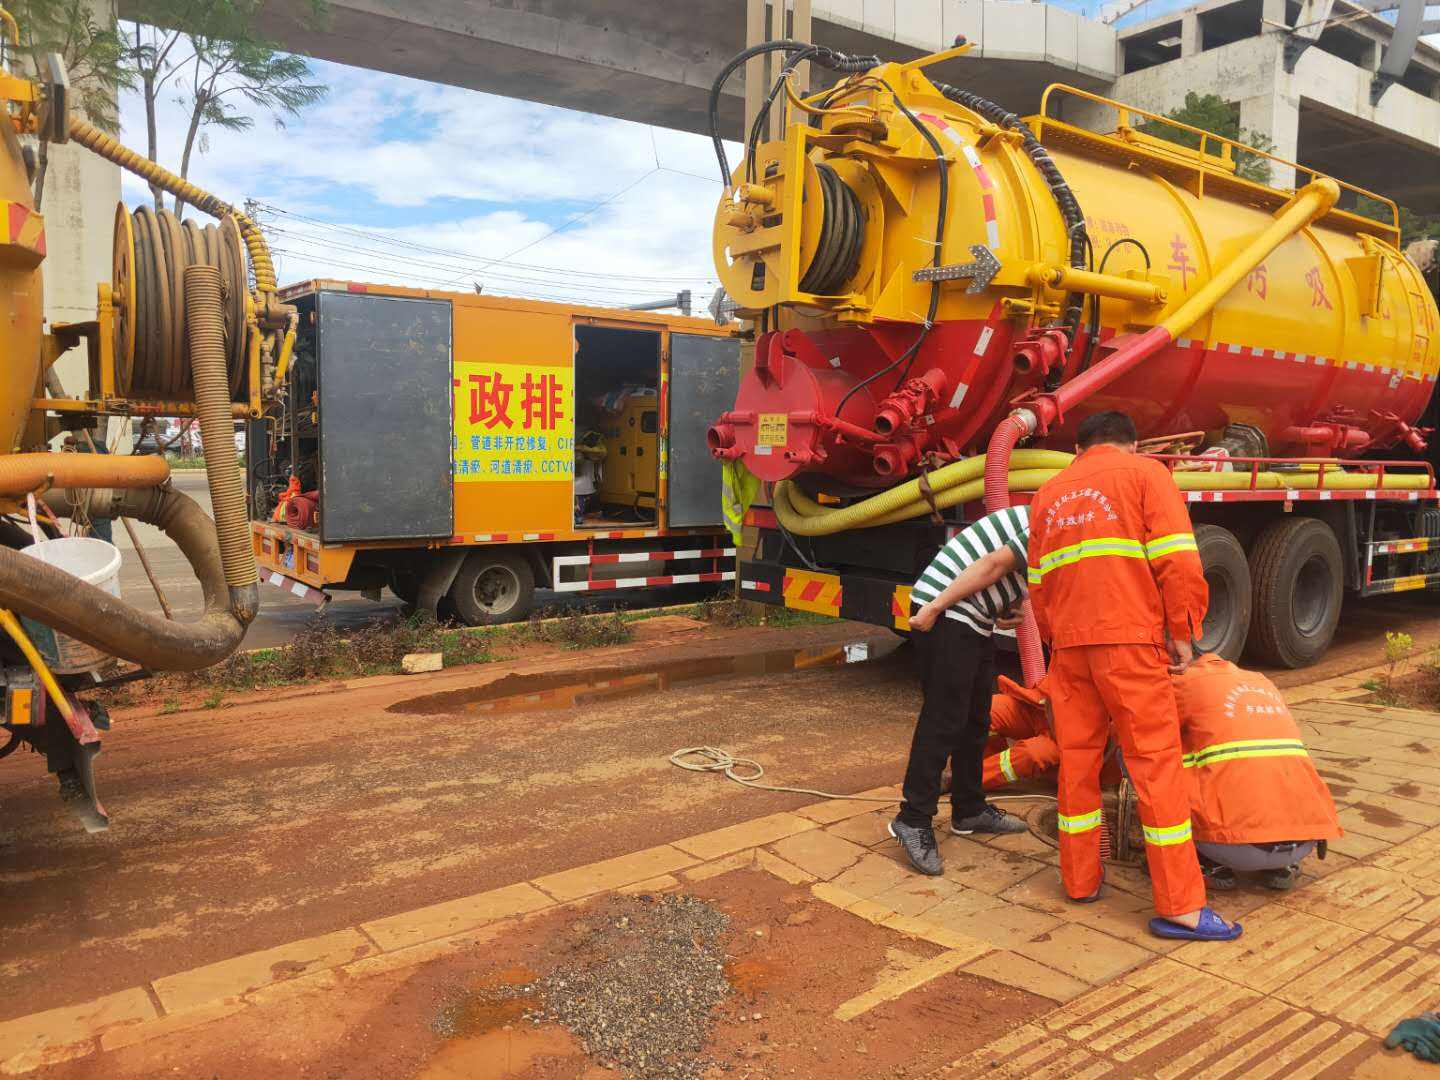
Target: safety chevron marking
807, 591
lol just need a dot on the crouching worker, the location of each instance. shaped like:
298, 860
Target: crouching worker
1022, 745
1257, 803
972, 583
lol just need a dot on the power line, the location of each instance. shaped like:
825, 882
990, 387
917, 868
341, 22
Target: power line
396, 241
326, 245
386, 275
580, 216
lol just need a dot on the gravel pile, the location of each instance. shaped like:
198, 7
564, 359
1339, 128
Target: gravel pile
641, 984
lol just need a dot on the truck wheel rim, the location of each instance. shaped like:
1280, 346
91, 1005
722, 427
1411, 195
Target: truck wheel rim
496, 589
1310, 600
1221, 611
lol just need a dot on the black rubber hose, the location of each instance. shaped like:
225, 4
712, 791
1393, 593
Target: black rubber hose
826, 58
1059, 190
1093, 333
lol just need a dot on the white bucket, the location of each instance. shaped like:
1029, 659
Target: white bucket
94, 562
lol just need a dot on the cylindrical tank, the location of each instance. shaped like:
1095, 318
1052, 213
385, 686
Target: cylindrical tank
22, 248
1328, 347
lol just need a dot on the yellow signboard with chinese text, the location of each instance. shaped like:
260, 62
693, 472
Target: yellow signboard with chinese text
513, 422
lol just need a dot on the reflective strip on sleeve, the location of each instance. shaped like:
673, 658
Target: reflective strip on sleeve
1244, 748
1170, 834
1007, 768
1079, 823
1169, 545
1032, 575
1099, 547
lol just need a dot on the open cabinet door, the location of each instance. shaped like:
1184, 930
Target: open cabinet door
385, 418
704, 376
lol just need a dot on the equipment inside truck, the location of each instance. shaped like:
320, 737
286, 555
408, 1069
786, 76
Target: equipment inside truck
617, 425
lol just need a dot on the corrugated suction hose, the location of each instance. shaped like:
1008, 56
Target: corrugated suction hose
93, 139
205, 325
88, 614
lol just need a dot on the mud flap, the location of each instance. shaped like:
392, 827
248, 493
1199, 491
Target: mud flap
72, 746
444, 565
79, 793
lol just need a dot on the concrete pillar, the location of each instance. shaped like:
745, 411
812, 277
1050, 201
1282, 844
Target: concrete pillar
81, 190
1278, 117
1191, 39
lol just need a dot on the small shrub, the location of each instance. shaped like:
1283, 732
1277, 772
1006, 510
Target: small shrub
575, 628
212, 701
727, 612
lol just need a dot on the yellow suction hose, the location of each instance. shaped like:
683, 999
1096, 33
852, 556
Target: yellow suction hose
963, 482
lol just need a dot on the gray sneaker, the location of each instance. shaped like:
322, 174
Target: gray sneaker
918, 843
990, 820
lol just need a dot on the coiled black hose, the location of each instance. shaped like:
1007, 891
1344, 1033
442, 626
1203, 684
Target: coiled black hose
818, 54
1060, 190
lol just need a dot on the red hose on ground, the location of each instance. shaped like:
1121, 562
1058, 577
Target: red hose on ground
1006, 437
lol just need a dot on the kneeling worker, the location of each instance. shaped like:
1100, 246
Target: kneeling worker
1257, 803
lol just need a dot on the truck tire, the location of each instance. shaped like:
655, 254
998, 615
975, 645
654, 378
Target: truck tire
1298, 581
493, 587
1227, 572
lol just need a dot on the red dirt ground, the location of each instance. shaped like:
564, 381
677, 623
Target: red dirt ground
791, 961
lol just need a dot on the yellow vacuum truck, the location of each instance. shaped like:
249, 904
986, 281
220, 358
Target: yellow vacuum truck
180, 331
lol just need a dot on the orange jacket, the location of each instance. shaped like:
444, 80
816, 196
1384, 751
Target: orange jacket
1112, 554
1021, 744
1254, 781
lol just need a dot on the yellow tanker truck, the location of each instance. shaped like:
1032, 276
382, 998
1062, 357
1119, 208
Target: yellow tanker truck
179, 331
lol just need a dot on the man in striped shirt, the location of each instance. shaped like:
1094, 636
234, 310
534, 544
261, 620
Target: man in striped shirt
974, 584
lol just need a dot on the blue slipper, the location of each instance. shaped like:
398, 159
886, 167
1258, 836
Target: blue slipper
1092, 897
1210, 928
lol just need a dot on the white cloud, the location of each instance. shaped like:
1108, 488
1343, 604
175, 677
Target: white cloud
474, 173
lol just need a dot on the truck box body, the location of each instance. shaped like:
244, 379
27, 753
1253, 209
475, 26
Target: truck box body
425, 421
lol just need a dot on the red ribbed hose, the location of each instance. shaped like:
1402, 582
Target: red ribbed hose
1008, 433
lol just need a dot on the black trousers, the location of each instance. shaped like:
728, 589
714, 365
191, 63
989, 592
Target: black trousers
957, 676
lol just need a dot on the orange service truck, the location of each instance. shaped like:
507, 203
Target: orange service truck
464, 450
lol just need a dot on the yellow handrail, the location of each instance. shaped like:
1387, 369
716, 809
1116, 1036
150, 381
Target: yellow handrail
1230, 146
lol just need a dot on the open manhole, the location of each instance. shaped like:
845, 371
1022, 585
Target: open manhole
1122, 841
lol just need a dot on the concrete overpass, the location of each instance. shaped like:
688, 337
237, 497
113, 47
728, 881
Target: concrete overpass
654, 62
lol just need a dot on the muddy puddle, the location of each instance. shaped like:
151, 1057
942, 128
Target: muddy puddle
564, 690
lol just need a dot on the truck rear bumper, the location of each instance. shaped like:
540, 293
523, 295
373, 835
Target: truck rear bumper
855, 596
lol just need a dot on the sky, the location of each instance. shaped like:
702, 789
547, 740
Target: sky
392, 180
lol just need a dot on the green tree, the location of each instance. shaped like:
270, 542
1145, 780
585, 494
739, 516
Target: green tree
1212, 113
94, 57
1413, 226
209, 54
222, 73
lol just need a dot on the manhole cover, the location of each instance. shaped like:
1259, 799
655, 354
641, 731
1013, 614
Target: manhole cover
1123, 838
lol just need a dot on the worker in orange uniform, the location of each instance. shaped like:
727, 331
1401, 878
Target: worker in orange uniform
1021, 744
1258, 803
1114, 578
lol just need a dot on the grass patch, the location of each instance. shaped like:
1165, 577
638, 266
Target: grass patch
728, 612
319, 651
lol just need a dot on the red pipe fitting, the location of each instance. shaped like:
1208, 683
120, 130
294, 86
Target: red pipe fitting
1041, 351
896, 458
912, 400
